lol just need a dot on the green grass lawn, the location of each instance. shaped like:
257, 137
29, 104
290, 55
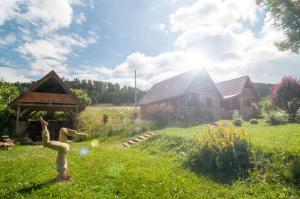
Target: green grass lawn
153, 169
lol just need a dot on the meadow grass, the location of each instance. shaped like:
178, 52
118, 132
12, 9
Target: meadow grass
123, 122
155, 168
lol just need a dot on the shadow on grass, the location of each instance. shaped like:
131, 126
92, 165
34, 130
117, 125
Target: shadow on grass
36, 186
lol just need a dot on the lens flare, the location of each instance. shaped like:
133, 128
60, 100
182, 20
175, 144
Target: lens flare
83, 151
94, 143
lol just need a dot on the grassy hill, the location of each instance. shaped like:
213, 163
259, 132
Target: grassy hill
155, 168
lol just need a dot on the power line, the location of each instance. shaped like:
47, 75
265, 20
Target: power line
31, 69
40, 70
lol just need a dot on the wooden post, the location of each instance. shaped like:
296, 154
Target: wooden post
18, 121
135, 91
76, 118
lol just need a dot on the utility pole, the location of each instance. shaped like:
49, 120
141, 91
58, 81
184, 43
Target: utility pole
135, 91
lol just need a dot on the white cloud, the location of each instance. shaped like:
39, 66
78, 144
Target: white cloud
150, 69
214, 34
48, 15
9, 39
211, 33
40, 21
10, 75
214, 28
213, 13
92, 5
219, 30
52, 52
81, 18
7, 10
163, 28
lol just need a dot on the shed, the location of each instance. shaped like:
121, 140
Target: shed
48, 94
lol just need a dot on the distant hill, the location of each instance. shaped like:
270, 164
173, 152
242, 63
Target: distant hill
262, 89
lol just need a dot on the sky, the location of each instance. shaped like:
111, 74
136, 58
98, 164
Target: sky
107, 40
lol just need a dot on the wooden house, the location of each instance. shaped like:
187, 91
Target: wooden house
194, 95
48, 94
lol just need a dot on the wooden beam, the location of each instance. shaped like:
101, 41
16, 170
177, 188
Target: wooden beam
18, 121
24, 111
48, 105
76, 118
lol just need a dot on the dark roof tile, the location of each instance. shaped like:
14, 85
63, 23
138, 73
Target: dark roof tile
178, 85
233, 87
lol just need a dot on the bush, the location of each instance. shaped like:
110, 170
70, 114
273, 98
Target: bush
7, 115
267, 106
256, 110
225, 153
286, 94
276, 118
237, 120
83, 97
105, 119
253, 121
294, 168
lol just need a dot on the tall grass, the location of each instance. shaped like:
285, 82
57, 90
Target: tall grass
121, 122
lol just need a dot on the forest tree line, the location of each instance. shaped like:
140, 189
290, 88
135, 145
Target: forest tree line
100, 92
106, 92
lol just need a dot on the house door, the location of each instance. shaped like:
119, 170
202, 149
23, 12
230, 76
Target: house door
198, 105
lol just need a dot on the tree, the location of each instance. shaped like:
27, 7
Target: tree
85, 100
286, 95
7, 94
286, 14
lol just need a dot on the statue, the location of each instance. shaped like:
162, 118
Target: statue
61, 147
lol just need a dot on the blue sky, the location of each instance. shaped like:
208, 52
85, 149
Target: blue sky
158, 38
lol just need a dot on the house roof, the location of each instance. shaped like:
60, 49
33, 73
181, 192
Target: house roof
178, 85
49, 89
233, 87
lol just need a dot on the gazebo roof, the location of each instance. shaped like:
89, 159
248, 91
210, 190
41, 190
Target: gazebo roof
50, 92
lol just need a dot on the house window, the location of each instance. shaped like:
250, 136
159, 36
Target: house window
247, 103
225, 105
188, 100
208, 101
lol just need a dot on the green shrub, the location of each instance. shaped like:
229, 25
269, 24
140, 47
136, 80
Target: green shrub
7, 115
256, 110
253, 121
267, 106
276, 118
237, 120
294, 168
83, 97
225, 153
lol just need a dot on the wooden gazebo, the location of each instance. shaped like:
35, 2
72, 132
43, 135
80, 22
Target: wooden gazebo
48, 94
